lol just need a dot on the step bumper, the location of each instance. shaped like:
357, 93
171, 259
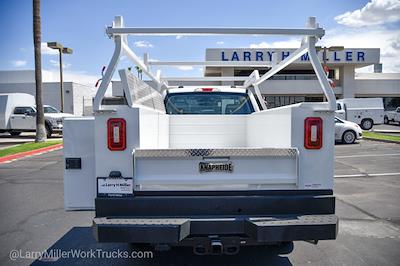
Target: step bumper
171, 230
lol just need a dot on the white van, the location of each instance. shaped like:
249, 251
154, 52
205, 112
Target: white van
363, 111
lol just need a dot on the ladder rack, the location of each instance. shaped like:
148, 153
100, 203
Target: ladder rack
310, 35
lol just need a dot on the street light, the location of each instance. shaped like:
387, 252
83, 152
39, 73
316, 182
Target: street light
61, 50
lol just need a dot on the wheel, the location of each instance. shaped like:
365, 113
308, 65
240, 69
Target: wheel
386, 120
49, 131
349, 137
15, 133
367, 124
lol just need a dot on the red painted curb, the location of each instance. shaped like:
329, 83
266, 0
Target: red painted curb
28, 153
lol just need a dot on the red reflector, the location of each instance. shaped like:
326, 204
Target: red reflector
116, 134
313, 133
207, 89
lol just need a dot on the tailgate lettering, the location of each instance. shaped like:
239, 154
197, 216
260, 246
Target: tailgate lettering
215, 167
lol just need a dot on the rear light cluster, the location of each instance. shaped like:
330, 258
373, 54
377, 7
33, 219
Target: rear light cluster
313, 133
116, 134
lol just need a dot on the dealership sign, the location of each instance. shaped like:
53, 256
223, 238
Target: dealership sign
360, 56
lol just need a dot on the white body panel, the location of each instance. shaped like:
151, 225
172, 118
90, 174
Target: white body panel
149, 129
275, 128
207, 131
79, 184
145, 128
315, 166
270, 128
357, 109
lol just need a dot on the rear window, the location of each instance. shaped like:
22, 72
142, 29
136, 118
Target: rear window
213, 103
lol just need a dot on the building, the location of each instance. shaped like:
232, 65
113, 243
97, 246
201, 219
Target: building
77, 97
298, 83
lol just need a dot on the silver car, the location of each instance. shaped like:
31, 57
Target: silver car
346, 131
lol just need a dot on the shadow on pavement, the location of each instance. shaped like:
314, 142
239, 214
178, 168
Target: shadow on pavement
81, 241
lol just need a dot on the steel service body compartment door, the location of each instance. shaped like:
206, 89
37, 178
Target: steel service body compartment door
215, 169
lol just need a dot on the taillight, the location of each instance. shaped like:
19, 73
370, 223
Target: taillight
116, 134
207, 89
313, 133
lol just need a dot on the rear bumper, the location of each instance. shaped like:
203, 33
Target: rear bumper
239, 220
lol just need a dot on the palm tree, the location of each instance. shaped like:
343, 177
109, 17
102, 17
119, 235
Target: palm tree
40, 126
139, 72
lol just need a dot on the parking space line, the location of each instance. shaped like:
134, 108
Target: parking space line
368, 155
364, 175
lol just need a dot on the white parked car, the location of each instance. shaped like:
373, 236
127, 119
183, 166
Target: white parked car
346, 131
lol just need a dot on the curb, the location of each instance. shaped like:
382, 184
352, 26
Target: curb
381, 140
386, 131
14, 157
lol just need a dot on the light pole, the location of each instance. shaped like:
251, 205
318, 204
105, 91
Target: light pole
61, 50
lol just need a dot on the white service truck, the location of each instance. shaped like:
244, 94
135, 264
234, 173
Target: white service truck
365, 112
18, 114
203, 166
392, 116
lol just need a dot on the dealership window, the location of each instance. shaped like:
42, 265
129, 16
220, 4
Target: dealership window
277, 101
286, 74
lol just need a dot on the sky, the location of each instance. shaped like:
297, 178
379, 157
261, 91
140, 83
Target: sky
80, 25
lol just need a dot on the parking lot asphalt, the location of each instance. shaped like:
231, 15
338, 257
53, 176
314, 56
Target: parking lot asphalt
367, 186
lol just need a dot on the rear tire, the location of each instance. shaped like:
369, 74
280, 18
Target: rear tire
15, 133
349, 137
367, 124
